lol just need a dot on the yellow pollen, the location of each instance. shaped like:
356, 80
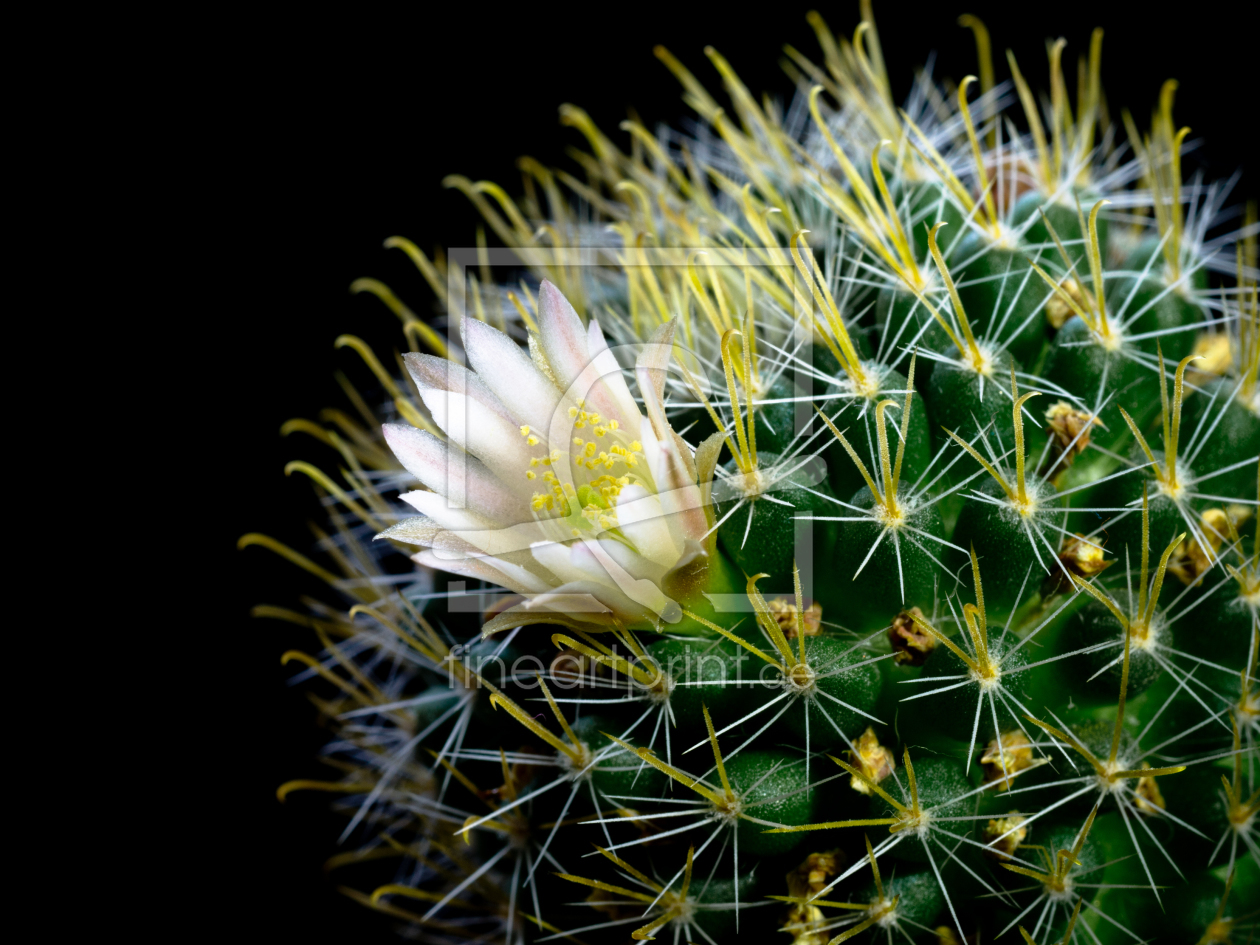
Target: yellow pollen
530, 474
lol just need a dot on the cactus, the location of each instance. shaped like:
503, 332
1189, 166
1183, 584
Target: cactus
839, 526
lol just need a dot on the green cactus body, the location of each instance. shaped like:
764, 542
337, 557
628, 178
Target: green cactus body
760, 536
736, 587
896, 566
1000, 291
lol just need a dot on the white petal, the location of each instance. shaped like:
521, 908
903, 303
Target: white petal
476, 429
510, 375
580, 597
431, 373
562, 333
615, 562
642, 520
490, 570
436, 507
485, 536
650, 369
619, 400
609, 568
455, 474
554, 556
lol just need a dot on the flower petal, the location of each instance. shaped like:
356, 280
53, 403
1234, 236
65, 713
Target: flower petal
476, 429
432, 373
490, 570
562, 334
650, 369
554, 556
483, 535
615, 561
437, 508
454, 474
510, 375
642, 520
618, 400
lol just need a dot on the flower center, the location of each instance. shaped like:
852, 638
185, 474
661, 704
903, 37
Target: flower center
602, 461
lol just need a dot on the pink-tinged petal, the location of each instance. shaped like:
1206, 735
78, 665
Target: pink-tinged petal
455, 474
412, 531
432, 373
476, 429
510, 375
563, 335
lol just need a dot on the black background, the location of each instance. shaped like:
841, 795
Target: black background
314, 136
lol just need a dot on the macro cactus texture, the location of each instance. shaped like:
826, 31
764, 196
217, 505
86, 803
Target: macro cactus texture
834, 522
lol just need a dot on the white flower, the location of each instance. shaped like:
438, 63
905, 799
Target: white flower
550, 482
